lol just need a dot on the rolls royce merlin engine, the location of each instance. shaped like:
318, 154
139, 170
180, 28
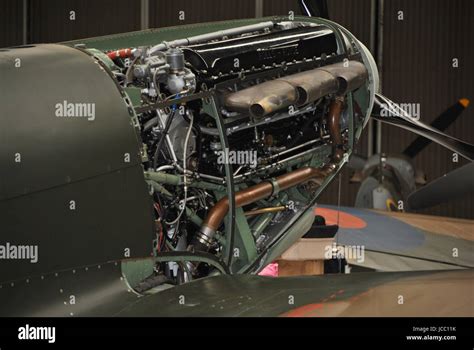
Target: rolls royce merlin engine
283, 102
238, 132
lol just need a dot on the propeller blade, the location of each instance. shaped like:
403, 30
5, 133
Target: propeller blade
314, 8
388, 112
455, 184
442, 122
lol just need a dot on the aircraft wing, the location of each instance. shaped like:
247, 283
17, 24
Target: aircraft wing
431, 260
434, 293
401, 241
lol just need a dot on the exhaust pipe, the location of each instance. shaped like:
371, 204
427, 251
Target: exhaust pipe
312, 85
204, 239
262, 99
334, 118
350, 75
298, 89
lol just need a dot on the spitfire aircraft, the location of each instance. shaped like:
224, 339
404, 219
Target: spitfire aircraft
142, 167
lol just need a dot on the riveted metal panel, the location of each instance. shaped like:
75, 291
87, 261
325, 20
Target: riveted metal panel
72, 187
41, 149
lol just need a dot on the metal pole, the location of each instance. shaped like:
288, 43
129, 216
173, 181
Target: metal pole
373, 14
25, 22
145, 14
258, 8
380, 67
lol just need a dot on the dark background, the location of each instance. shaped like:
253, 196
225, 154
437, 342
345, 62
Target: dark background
417, 55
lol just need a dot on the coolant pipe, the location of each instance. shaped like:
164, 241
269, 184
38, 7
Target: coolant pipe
163, 178
203, 240
211, 36
177, 180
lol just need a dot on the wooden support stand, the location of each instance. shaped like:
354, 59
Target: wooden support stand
305, 257
300, 268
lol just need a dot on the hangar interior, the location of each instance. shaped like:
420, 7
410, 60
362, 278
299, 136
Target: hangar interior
437, 31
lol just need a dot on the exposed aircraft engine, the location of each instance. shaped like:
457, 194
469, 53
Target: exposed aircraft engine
281, 121
238, 132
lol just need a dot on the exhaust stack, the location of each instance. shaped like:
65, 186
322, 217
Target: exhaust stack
350, 75
298, 89
262, 99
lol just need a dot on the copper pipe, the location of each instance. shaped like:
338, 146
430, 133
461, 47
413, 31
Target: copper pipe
265, 210
260, 191
334, 118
